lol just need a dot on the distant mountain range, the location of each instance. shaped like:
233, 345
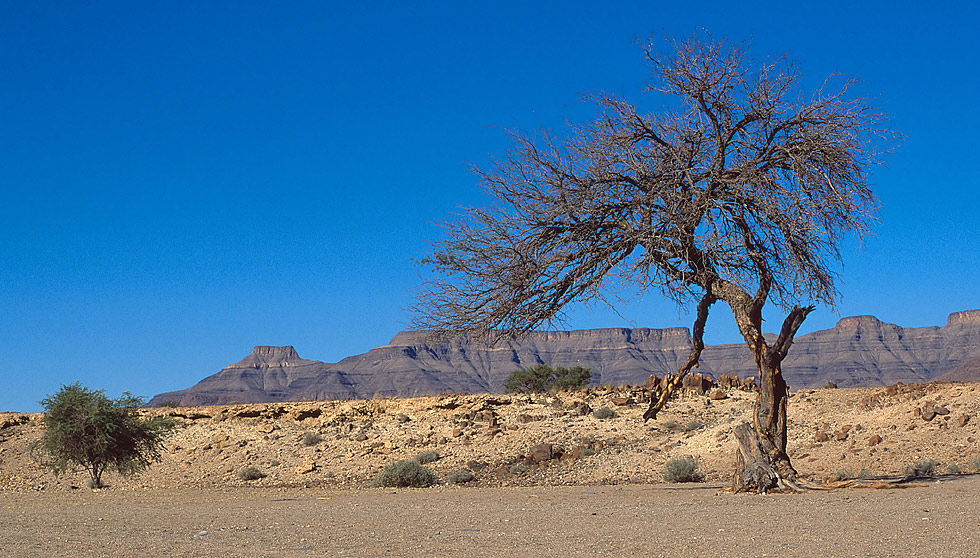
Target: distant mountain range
858, 351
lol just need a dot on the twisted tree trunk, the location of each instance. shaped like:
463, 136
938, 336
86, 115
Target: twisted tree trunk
762, 463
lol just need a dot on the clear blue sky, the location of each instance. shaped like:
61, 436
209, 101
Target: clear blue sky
184, 180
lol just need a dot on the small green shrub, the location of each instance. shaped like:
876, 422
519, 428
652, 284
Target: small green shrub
842, 475
953, 469
865, 474
460, 477
683, 469
673, 425
975, 465
542, 378
604, 413
311, 439
427, 457
403, 474
402, 417
924, 468
692, 426
250, 474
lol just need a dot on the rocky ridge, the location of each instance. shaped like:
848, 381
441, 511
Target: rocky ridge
569, 438
858, 351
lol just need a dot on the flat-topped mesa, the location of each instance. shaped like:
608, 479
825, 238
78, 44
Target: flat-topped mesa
855, 322
964, 317
266, 356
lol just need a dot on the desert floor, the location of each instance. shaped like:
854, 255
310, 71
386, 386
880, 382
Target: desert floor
934, 519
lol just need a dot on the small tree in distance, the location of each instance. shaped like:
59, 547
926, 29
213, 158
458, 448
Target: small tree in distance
543, 378
84, 428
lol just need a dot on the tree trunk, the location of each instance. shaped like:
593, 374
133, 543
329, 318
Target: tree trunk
762, 463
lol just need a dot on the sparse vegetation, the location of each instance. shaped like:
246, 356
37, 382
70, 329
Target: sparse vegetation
975, 465
460, 477
169, 403
923, 468
543, 378
953, 469
427, 457
402, 417
311, 439
604, 413
842, 475
692, 426
683, 469
250, 474
85, 428
673, 425
405, 474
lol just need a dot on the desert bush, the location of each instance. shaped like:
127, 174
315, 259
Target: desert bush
683, 469
427, 457
460, 477
842, 475
953, 469
311, 439
864, 474
975, 465
403, 474
84, 428
604, 413
923, 468
542, 378
250, 474
673, 425
692, 426
402, 417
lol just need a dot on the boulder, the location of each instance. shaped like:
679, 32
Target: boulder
541, 452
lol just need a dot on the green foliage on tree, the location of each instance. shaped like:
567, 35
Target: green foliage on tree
543, 378
85, 429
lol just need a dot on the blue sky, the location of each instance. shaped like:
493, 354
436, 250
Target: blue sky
181, 181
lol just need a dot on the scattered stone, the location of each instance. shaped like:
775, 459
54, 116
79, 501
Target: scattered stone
940, 410
822, 436
874, 440
697, 382
307, 466
622, 401
962, 420
928, 412
840, 435
304, 413
717, 395
541, 452
267, 427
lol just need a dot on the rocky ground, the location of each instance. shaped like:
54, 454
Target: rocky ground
531, 440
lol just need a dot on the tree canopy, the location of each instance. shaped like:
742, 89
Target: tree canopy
739, 188
744, 187
85, 428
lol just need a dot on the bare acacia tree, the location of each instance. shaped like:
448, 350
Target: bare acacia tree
740, 191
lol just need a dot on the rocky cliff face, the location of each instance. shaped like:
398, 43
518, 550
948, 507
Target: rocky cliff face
858, 351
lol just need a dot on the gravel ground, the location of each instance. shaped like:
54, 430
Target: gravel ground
934, 519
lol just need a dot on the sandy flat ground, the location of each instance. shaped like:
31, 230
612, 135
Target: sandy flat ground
936, 518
